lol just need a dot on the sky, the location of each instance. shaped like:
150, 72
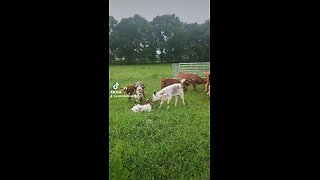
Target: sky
188, 11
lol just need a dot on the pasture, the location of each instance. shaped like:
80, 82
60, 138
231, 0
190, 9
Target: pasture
161, 144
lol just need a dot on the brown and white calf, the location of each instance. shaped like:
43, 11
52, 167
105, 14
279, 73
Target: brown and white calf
164, 82
139, 91
130, 90
193, 79
166, 94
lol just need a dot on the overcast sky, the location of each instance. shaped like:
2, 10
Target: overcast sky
188, 11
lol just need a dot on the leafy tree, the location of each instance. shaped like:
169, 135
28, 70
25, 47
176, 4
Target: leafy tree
135, 40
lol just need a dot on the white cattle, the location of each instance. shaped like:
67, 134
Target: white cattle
168, 92
140, 108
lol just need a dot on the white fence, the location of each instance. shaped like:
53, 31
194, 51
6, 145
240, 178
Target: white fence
197, 67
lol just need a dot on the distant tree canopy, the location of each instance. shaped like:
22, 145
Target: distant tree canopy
165, 39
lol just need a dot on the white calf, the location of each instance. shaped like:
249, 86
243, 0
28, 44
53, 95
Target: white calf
140, 108
166, 94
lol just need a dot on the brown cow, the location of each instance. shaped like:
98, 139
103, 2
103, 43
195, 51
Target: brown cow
206, 80
193, 79
130, 90
164, 82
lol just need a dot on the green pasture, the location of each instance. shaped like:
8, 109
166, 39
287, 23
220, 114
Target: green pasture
162, 144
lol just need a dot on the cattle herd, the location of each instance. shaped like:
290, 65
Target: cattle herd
170, 87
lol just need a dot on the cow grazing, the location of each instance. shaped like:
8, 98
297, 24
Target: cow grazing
139, 90
193, 79
168, 92
164, 82
140, 108
130, 90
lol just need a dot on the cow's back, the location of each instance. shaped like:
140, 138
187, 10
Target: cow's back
168, 81
173, 89
191, 77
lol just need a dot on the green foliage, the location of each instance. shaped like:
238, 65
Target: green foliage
135, 40
162, 144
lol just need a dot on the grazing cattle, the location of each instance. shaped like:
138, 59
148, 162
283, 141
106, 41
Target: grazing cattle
139, 90
130, 90
206, 81
140, 108
193, 79
164, 82
168, 92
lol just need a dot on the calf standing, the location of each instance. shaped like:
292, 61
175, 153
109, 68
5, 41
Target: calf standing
206, 81
130, 90
139, 90
168, 92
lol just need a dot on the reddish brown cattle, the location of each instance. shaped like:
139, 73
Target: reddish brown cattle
193, 79
206, 81
130, 90
164, 82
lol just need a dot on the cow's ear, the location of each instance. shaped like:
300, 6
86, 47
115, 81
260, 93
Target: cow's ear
154, 93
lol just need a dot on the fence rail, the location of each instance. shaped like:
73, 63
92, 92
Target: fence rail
196, 67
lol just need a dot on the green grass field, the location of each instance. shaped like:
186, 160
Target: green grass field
162, 144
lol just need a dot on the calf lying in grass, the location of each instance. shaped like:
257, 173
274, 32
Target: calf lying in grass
168, 92
140, 108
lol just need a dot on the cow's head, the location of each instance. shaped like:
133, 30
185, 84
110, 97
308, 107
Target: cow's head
185, 82
125, 88
203, 80
139, 90
148, 101
157, 96
185, 88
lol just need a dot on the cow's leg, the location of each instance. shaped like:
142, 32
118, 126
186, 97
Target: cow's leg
129, 97
168, 102
182, 98
194, 86
175, 104
140, 100
160, 104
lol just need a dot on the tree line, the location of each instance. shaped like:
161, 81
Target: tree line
165, 39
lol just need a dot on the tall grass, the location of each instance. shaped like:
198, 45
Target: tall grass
162, 144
